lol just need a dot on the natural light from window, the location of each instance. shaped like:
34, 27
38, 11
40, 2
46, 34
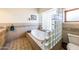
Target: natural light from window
72, 15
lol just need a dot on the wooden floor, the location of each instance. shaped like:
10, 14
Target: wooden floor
24, 43
21, 43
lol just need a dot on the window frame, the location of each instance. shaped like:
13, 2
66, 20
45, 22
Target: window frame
65, 14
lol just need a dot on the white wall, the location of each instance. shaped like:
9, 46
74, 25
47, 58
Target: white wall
47, 19
40, 10
16, 15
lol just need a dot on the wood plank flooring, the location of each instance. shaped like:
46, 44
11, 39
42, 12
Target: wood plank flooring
21, 43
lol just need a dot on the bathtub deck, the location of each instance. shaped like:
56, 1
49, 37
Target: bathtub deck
34, 42
38, 45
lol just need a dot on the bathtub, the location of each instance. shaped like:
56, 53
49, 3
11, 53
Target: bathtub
40, 35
